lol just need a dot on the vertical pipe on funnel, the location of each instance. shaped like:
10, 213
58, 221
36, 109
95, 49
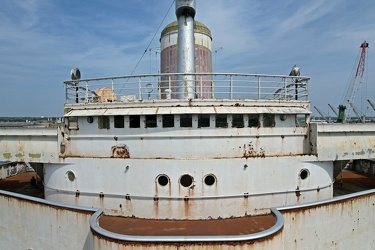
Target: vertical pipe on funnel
185, 12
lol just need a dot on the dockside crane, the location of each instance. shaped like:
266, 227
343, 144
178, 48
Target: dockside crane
327, 118
372, 104
353, 87
334, 110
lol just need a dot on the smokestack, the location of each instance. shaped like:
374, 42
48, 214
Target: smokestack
185, 12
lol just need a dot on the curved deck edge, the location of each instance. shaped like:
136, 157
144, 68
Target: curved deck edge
276, 212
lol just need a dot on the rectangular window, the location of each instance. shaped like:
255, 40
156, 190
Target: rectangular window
103, 122
301, 120
73, 122
186, 121
119, 121
253, 120
237, 121
134, 121
151, 121
268, 120
203, 121
221, 121
168, 121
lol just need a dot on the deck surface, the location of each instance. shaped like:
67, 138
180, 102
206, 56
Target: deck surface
143, 227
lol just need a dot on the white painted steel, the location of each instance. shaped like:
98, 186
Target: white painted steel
32, 223
129, 186
343, 141
27, 144
344, 222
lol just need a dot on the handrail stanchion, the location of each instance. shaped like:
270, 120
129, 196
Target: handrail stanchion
87, 92
113, 96
285, 90
140, 88
231, 88
258, 87
201, 86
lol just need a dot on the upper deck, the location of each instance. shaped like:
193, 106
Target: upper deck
208, 86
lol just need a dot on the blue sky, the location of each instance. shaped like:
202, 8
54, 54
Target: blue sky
42, 40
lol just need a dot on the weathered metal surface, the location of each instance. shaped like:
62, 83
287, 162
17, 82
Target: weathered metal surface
220, 227
342, 223
237, 191
29, 144
332, 142
32, 223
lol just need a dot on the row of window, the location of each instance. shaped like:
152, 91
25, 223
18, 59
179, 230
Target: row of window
202, 120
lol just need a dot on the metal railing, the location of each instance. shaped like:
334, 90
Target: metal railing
207, 86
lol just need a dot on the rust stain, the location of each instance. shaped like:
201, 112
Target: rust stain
120, 152
149, 227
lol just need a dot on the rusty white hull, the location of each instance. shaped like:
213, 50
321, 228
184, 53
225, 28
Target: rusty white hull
237, 191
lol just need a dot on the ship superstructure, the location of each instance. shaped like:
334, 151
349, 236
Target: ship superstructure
189, 146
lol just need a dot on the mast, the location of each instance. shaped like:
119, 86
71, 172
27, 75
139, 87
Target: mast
185, 12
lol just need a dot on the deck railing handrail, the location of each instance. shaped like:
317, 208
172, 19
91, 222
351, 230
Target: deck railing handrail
207, 86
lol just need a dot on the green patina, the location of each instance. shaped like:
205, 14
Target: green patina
20, 155
7, 155
35, 155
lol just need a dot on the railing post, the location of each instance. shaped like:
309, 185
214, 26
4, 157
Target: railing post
201, 86
140, 88
66, 93
212, 87
113, 96
87, 92
285, 90
231, 87
258, 87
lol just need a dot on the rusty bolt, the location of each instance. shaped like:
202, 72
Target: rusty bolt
77, 193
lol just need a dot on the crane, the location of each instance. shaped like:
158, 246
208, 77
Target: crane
372, 104
327, 118
333, 109
355, 83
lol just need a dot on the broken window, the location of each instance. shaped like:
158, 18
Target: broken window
268, 120
168, 121
119, 121
103, 122
186, 121
203, 121
151, 121
237, 121
221, 121
134, 121
253, 120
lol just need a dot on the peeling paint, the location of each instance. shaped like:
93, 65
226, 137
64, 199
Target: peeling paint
7, 155
34, 156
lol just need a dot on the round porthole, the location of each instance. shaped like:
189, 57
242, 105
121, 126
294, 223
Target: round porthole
163, 180
90, 119
209, 180
283, 117
304, 173
186, 180
70, 175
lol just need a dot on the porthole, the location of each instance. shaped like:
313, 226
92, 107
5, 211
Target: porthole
90, 119
70, 175
163, 180
304, 174
209, 179
186, 180
283, 117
